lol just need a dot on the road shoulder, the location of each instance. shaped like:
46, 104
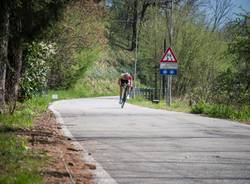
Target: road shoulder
65, 164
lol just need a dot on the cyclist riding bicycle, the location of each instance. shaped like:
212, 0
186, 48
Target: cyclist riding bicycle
125, 78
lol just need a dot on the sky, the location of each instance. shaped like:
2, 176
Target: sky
245, 4
238, 7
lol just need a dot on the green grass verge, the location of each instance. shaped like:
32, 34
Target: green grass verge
25, 112
212, 110
177, 105
223, 111
88, 88
19, 164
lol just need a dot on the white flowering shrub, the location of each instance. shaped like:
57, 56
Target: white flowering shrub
37, 61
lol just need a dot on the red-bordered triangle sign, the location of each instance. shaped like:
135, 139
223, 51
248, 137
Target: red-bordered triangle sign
169, 56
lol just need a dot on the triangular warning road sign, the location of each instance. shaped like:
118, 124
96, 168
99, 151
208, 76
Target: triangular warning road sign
169, 56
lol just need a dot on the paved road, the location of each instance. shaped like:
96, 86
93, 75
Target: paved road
145, 146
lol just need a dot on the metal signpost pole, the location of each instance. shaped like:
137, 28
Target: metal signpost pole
136, 49
170, 27
168, 63
163, 76
155, 56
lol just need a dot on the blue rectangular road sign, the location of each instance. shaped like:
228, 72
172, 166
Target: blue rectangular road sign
168, 71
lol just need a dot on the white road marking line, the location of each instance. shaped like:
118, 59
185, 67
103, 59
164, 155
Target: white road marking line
101, 176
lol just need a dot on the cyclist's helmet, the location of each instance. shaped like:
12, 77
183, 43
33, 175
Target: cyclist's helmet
125, 75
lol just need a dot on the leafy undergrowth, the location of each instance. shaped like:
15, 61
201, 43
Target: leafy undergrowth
223, 111
91, 88
100, 80
25, 113
212, 110
177, 105
19, 164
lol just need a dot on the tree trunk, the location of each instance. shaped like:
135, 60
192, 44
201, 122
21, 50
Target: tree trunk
4, 31
134, 25
137, 16
14, 72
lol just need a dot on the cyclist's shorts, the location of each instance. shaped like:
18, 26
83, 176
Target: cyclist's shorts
123, 82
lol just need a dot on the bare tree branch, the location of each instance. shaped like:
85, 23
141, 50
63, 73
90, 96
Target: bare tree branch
220, 10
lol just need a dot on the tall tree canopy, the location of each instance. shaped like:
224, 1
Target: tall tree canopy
21, 22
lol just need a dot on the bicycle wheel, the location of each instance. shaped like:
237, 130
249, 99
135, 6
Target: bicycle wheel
124, 96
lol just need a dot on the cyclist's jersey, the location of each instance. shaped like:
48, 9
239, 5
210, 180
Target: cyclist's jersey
125, 79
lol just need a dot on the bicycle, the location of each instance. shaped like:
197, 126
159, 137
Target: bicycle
125, 93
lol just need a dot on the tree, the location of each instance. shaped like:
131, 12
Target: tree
220, 10
22, 21
4, 33
79, 38
233, 85
129, 14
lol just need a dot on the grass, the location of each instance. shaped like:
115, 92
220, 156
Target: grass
241, 114
177, 104
91, 88
223, 111
19, 164
25, 112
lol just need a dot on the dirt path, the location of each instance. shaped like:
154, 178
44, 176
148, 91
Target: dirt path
64, 161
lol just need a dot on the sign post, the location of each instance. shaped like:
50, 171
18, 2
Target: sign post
169, 70
169, 67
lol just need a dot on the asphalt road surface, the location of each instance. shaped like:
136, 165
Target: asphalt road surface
138, 145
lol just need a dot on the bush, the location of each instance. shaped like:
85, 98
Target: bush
18, 163
199, 107
25, 112
222, 111
37, 61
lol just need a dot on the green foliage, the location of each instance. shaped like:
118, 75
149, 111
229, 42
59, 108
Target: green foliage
69, 74
88, 88
200, 53
201, 58
152, 33
25, 113
199, 107
19, 118
84, 60
80, 42
18, 163
22, 177
37, 61
99, 80
177, 105
222, 111
120, 24
211, 110
213, 65
233, 85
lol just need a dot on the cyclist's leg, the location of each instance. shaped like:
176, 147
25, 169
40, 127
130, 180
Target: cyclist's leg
129, 88
128, 92
121, 91
124, 94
